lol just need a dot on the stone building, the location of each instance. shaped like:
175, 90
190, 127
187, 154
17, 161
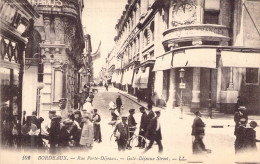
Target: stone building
16, 18
60, 50
156, 38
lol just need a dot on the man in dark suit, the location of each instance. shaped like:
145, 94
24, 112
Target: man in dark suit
198, 132
132, 125
143, 127
123, 134
118, 103
153, 132
151, 114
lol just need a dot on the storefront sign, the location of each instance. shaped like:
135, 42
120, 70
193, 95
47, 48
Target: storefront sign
46, 3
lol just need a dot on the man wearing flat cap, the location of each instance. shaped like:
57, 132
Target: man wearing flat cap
132, 125
198, 132
153, 132
122, 130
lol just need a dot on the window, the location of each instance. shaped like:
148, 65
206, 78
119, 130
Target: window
146, 37
211, 17
252, 75
152, 31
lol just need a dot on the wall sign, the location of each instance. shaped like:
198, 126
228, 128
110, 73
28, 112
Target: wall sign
46, 3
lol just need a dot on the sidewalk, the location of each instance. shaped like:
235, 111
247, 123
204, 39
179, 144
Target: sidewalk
216, 115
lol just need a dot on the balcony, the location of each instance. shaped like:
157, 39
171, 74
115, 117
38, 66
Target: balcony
205, 32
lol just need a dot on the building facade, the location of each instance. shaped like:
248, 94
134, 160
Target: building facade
16, 18
60, 45
156, 38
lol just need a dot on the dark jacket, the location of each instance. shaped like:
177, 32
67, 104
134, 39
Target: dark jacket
123, 130
131, 123
54, 134
250, 139
144, 121
151, 133
65, 137
198, 127
98, 117
118, 102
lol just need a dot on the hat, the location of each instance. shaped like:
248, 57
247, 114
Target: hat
253, 124
77, 112
142, 108
197, 112
52, 112
157, 111
149, 106
131, 110
242, 108
67, 122
124, 117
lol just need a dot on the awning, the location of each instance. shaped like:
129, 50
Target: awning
129, 77
240, 59
119, 77
205, 57
137, 78
163, 62
144, 78
124, 77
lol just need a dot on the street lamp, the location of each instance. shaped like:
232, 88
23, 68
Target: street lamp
182, 86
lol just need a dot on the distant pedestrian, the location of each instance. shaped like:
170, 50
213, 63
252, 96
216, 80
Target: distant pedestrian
106, 86
97, 131
198, 132
87, 134
241, 113
131, 125
250, 137
238, 104
142, 129
153, 132
122, 134
119, 103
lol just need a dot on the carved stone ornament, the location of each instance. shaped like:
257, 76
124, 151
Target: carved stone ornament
184, 12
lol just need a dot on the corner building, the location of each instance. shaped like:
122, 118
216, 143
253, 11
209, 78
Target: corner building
61, 48
216, 42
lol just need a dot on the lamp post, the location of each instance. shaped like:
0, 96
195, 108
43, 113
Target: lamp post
182, 86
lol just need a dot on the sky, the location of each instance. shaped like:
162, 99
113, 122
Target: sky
100, 18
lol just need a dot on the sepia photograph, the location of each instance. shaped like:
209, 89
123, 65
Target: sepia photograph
130, 81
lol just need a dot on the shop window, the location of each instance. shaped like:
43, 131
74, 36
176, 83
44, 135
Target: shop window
252, 76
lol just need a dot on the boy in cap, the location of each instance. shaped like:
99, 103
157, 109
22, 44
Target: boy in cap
122, 139
132, 125
198, 132
153, 132
250, 137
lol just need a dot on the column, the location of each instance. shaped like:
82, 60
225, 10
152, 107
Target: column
58, 84
200, 11
172, 90
47, 28
59, 32
195, 102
